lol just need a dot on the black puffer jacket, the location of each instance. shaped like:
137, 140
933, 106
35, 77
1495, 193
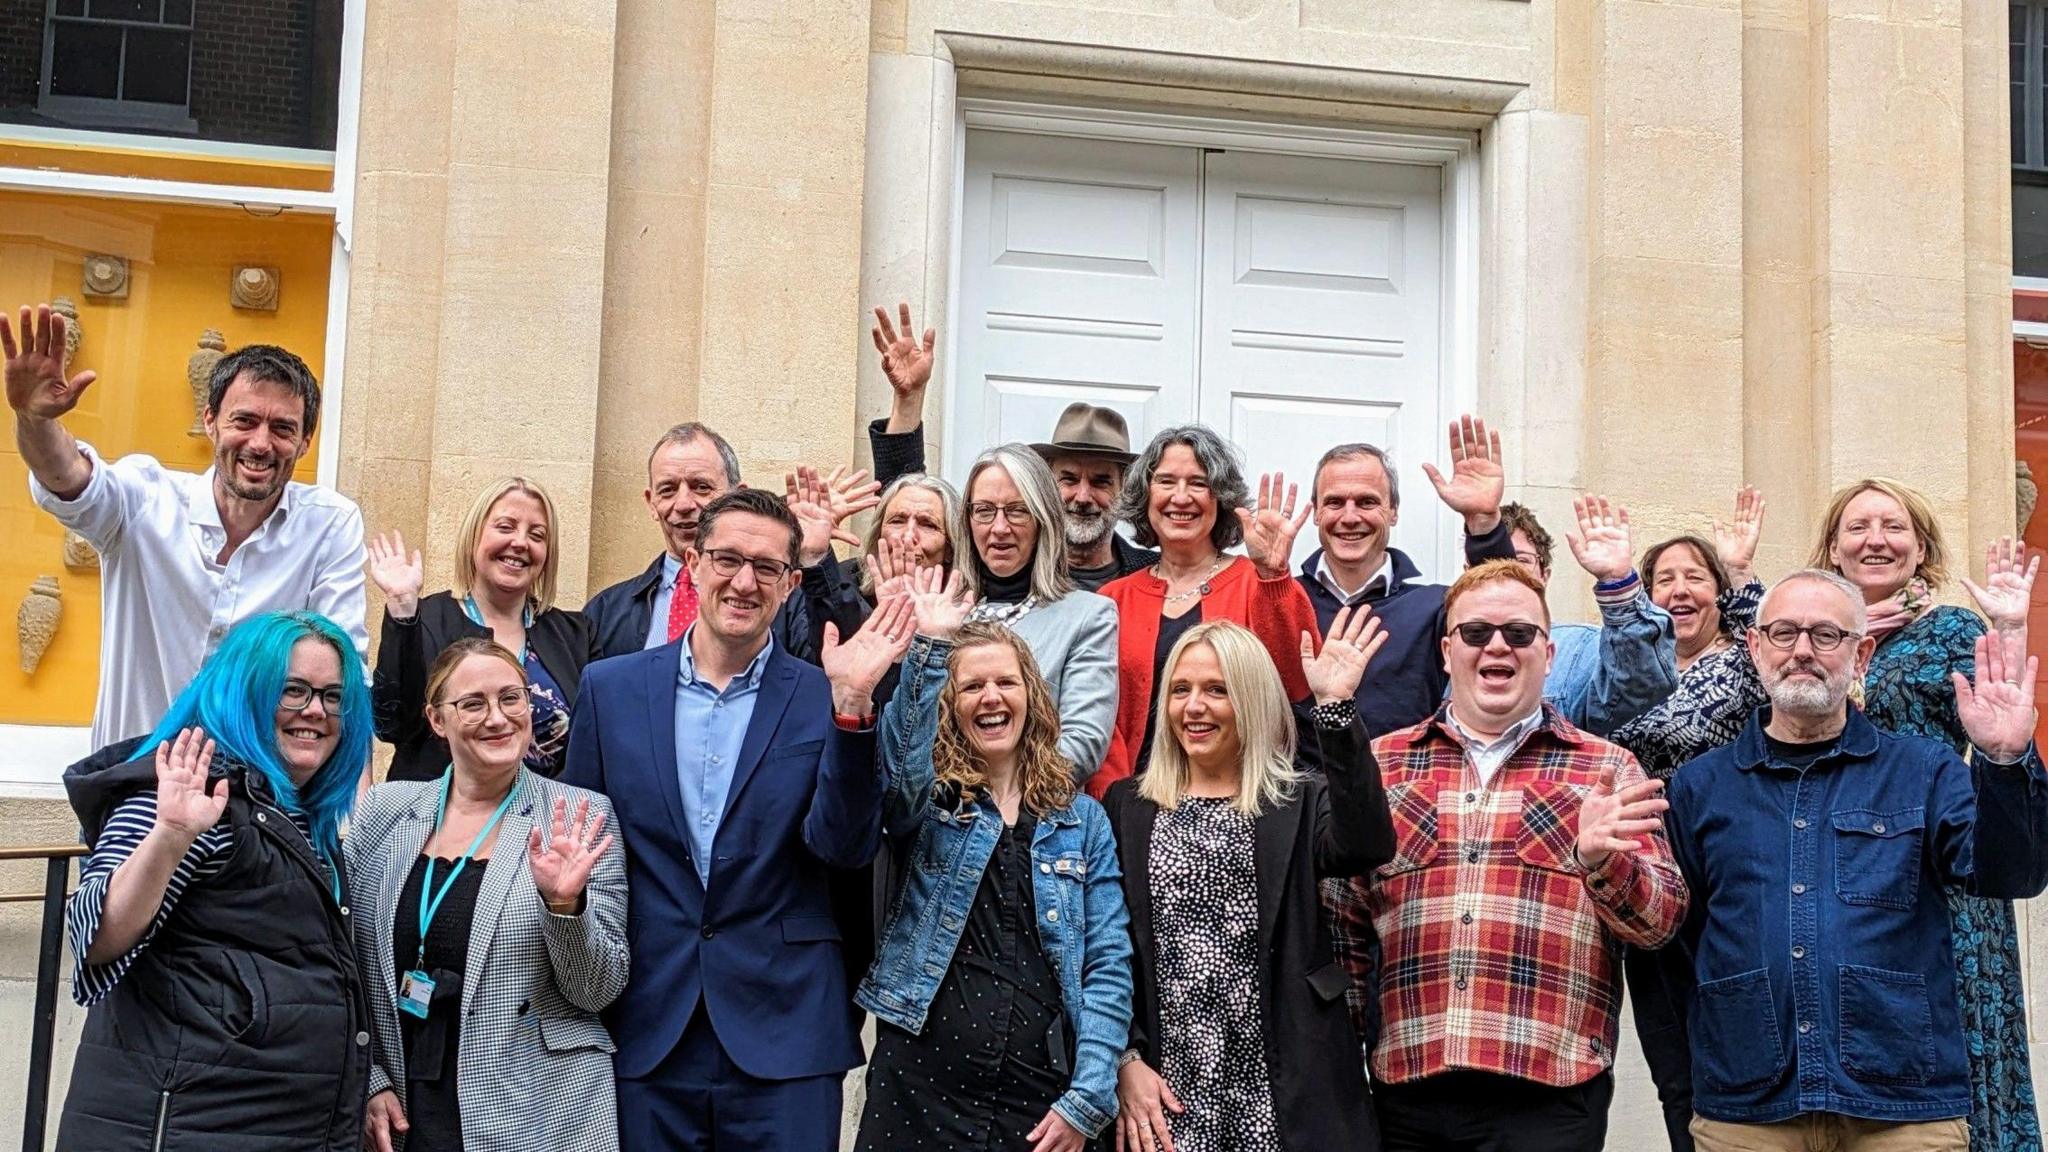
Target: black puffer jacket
243, 1025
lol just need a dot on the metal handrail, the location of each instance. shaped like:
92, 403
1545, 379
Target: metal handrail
43, 1026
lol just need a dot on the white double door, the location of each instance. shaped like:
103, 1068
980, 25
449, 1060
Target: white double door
1290, 303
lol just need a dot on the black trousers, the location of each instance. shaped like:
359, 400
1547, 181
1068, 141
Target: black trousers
1484, 1112
1657, 988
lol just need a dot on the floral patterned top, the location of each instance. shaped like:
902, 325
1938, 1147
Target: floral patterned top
1907, 689
1713, 700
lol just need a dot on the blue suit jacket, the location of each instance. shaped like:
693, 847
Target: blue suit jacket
760, 946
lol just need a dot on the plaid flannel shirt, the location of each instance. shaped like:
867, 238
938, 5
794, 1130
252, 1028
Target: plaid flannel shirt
1500, 953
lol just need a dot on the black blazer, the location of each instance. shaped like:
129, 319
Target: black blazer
1334, 828
398, 688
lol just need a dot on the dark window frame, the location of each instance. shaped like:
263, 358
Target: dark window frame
119, 112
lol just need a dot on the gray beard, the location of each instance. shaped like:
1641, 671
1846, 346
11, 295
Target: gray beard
1808, 698
1088, 533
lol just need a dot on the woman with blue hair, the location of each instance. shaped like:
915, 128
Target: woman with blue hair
225, 1009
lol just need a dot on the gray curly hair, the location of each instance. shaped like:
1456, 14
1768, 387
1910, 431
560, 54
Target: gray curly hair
1219, 464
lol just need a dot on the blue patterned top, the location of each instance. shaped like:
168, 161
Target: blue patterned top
1713, 700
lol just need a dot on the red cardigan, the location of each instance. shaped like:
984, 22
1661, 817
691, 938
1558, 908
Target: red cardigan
1276, 610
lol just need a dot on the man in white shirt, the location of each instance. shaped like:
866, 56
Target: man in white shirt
183, 558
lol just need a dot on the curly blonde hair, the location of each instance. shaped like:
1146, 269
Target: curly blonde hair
1919, 511
1045, 777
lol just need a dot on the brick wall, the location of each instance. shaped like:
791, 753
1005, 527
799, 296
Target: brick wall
251, 63
21, 52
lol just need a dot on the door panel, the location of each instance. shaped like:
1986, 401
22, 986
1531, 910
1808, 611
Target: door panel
1321, 310
1079, 279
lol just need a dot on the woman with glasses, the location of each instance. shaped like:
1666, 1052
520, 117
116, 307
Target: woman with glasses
913, 527
1241, 1039
1883, 537
1186, 496
224, 1005
505, 591
491, 927
1018, 577
1712, 598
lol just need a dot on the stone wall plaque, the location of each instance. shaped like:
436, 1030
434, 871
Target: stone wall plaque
254, 287
106, 277
36, 620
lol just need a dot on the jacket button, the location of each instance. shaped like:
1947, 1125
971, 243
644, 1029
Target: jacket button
1799, 823
1798, 952
1053, 915
1045, 867
708, 932
262, 819
1878, 827
362, 1039
1799, 889
344, 909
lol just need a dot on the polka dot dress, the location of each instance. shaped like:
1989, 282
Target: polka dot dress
979, 1077
1205, 919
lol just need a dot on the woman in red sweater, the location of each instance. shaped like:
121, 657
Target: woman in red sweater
1187, 496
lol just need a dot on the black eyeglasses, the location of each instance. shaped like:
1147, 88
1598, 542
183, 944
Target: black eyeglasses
984, 514
1479, 633
298, 696
1825, 637
729, 564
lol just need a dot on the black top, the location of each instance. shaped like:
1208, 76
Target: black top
398, 688
1798, 755
1003, 589
990, 1060
1334, 828
1171, 629
431, 1044
1124, 559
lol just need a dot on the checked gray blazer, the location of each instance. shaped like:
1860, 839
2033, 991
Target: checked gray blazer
534, 1070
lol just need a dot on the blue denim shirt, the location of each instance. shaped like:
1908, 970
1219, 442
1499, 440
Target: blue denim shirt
1826, 980
711, 728
1605, 676
1077, 889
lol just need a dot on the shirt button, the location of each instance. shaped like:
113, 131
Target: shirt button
1471, 797
708, 932
1460, 983
1805, 1026
362, 1039
1798, 952
1472, 855
1799, 889
1465, 919
1799, 823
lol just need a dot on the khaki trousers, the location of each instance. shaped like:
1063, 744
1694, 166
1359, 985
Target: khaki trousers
1827, 1132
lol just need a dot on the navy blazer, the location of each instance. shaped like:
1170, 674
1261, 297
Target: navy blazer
760, 946
620, 615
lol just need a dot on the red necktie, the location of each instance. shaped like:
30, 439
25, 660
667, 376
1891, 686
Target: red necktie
682, 606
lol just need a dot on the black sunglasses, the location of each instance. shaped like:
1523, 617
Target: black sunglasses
1479, 633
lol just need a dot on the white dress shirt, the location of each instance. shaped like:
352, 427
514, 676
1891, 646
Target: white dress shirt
1327, 577
164, 602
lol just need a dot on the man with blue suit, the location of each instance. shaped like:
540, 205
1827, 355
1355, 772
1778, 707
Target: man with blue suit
740, 776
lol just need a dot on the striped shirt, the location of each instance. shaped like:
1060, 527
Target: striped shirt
125, 828
1500, 953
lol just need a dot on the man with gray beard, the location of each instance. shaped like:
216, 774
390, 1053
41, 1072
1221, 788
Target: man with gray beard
1088, 453
1816, 848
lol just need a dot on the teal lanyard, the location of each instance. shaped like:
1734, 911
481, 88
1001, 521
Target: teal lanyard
476, 617
429, 906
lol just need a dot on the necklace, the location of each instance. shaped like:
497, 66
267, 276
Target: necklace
1201, 589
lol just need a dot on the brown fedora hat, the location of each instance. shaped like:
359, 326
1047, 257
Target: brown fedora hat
1088, 430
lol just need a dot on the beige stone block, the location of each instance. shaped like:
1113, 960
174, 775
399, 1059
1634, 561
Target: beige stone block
1671, 67
1572, 56
535, 84
623, 536
653, 298
1987, 179
1936, 13
808, 142
661, 96
1777, 396
394, 496
1870, 430
1777, 154
409, 65
1667, 356
1474, 22
394, 315
888, 27
1669, 196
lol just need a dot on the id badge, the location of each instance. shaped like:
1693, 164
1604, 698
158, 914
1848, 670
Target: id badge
415, 992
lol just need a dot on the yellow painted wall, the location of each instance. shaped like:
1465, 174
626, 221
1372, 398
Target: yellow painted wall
181, 259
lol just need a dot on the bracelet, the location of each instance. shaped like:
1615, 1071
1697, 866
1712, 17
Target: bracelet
1129, 1056
850, 723
575, 907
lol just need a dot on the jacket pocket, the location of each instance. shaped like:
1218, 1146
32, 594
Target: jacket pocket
247, 1027
1549, 825
1887, 1025
1735, 1032
575, 1034
809, 929
1877, 856
1413, 809
1330, 982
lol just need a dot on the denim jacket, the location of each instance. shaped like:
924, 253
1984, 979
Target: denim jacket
1827, 982
1077, 887
1605, 676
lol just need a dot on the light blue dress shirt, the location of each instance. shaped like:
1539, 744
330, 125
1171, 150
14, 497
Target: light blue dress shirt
710, 727
657, 622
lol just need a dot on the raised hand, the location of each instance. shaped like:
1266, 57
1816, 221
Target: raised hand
849, 493
1735, 541
939, 602
1054, 1134
906, 362
1478, 479
562, 869
35, 367
1271, 525
384, 1120
2008, 588
1334, 673
890, 567
1143, 1099
185, 807
1601, 545
856, 666
1612, 820
810, 501
1997, 710
396, 573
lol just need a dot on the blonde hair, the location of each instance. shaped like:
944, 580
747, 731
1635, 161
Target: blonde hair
458, 650
1933, 566
1265, 723
1045, 777
1501, 571
542, 595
